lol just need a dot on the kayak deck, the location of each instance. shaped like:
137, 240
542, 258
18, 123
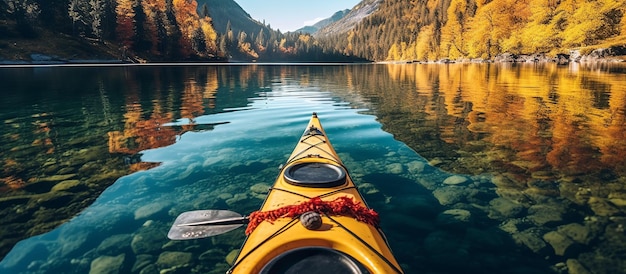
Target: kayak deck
314, 179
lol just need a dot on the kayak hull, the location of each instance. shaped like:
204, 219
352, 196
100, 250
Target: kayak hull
314, 173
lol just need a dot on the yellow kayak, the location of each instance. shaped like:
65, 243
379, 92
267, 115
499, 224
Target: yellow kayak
314, 220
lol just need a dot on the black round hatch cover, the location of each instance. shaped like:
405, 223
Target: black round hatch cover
314, 260
315, 175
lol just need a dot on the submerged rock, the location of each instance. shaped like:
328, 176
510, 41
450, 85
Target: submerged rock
368, 189
69, 186
114, 244
542, 187
619, 202
504, 182
502, 208
57, 178
212, 255
577, 232
6, 202
260, 188
151, 209
53, 200
141, 262
395, 168
416, 166
561, 244
149, 240
169, 259
532, 239
449, 195
602, 207
511, 226
237, 198
455, 180
546, 215
575, 267
150, 269
232, 256
224, 196
454, 218
107, 264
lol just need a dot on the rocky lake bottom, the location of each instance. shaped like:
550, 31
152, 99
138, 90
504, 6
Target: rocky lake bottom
481, 222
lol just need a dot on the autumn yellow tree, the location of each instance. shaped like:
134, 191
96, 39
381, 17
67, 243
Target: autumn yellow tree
246, 47
393, 53
407, 51
453, 32
591, 21
424, 46
188, 21
494, 23
540, 34
349, 50
210, 35
482, 35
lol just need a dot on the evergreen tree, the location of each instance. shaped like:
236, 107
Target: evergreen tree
74, 14
142, 41
205, 11
96, 14
198, 41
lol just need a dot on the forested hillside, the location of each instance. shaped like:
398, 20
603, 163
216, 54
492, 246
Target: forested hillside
150, 30
437, 29
378, 30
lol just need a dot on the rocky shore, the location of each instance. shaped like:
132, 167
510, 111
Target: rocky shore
42, 59
612, 54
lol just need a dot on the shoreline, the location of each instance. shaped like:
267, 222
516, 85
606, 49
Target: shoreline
616, 54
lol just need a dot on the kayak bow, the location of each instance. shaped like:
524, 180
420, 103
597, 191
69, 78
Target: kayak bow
314, 220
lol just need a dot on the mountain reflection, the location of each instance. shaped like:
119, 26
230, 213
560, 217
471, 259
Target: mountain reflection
531, 121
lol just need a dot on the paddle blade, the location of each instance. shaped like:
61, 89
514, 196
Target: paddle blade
204, 223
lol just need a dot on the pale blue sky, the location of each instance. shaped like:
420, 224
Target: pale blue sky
290, 15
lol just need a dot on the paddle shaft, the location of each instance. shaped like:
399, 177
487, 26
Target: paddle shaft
226, 221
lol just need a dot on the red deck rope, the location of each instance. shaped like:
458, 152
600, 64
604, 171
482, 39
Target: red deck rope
342, 206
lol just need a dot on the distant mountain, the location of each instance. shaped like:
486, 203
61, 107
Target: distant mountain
317, 26
224, 11
348, 21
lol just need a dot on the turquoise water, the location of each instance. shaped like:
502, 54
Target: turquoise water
230, 128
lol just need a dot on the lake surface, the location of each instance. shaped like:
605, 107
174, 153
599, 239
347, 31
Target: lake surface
474, 168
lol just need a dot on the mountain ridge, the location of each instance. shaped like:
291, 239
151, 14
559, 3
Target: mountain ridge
360, 11
223, 12
324, 22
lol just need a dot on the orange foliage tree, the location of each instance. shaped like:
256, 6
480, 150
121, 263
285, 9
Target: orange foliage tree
125, 28
188, 21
